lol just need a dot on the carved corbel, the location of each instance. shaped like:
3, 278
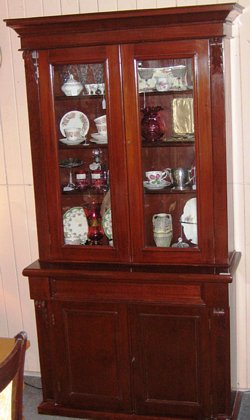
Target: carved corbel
216, 55
31, 64
41, 307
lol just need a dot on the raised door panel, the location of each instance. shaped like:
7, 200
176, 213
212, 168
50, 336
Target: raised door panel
82, 138
169, 150
92, 356
171, 360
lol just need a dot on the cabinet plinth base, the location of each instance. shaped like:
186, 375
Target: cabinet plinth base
51, 408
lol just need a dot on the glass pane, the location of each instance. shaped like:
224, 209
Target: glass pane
168, 152
83, 160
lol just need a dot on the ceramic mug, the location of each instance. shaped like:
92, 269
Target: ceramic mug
156, 177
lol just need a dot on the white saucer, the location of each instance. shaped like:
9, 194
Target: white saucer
163, 184
99, 141
72, 143
99, 137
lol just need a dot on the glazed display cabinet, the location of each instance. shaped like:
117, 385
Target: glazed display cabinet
128, 136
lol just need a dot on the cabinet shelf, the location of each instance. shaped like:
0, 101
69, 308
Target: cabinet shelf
83, 147
86, 191
168, 143
167, 92
169, 190
79, 97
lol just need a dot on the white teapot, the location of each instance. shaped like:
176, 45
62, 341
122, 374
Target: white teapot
72, 87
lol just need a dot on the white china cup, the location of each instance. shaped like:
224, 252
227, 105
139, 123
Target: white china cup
162, 84
102, 129
155, 177
101, 120
73, 134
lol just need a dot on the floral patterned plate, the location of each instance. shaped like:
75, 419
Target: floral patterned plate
75, 226
189, 220
74, 119
107, 225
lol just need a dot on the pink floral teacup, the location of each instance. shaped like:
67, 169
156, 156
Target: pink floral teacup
156, 177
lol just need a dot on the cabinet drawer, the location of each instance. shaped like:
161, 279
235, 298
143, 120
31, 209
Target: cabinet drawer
79, 289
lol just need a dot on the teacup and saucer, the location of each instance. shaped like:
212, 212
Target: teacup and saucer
156, 180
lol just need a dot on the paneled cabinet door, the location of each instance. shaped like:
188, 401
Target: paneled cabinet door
169, 142
82, 161
92, 356
171, 360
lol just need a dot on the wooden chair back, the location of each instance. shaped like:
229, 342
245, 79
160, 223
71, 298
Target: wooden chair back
12, 369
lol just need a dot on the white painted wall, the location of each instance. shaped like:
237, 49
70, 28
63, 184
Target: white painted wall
18, 243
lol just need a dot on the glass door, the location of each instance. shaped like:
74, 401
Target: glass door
81, 125
168, 152
85, 167
171, 150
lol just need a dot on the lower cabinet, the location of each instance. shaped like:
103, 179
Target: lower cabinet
93, 362
108, 354
170, 346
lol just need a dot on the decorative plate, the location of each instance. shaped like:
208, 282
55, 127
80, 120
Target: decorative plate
75, 225
74, 119
107, 224
189, 220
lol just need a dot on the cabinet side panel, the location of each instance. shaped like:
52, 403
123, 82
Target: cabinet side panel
219, 150
45, 348
220, 360
37, 153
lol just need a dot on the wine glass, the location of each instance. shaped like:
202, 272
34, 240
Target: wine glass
69, 164
179, 72
146, 74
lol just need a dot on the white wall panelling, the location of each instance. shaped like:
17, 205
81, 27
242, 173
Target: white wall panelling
69, 6
52, 7
165, 3
126, 4
18, 243
107, 5
88, 6
146, 4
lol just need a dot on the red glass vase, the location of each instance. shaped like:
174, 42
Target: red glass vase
95, 233
151, 124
